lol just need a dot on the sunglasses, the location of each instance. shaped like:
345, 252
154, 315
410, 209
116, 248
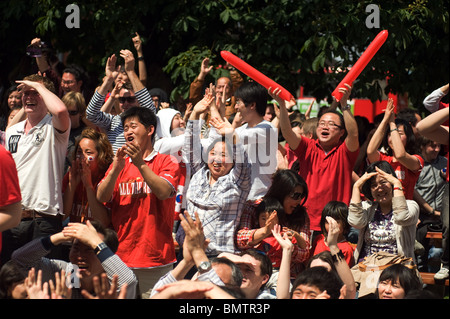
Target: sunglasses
129, 99
296, 196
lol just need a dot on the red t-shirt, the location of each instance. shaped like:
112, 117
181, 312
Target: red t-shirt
80, 211
9, 185
143, 222
272, 248
328, 176
345, 246
404, 175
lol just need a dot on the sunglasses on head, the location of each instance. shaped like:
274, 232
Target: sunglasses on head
296, 196
129, 99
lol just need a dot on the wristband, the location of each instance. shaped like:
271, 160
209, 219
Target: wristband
338, 257
394, 129
140, 58
398, 188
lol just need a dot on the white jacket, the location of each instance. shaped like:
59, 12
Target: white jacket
406, 214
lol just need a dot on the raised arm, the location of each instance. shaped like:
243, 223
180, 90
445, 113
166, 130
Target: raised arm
284, 275
195, 89
432, 101
377, 138
342, 267
94, 111
192, 147
140, 56
282, 113
409, 161
432, 128
128, 56
351, 127
56, 107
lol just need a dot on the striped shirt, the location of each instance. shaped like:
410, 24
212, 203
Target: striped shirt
168, 278
112, 124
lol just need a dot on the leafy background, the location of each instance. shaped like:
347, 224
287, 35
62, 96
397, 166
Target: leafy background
296, 43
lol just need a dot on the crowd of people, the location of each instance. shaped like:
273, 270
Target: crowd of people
117, 194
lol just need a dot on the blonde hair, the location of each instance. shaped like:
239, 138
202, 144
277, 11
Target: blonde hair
75, 99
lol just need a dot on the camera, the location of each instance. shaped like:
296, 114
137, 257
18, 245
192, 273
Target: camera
37, 49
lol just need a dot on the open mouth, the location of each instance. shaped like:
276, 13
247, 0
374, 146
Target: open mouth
130, 138
82, 266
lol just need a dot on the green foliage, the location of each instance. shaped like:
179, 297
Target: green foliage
296, 43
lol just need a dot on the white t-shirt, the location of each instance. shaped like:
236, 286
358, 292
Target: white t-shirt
39, 157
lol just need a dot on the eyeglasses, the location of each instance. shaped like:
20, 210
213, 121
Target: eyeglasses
129, 99
329, 124
296, 196
73, 112
67, 82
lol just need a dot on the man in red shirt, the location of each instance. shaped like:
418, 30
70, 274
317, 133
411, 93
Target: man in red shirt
139, 188
326, 164
10, 196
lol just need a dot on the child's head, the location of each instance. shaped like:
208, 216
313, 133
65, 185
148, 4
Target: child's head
339, 212
265, 208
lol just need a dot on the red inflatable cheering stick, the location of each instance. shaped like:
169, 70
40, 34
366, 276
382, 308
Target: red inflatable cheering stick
255, 74
361, 63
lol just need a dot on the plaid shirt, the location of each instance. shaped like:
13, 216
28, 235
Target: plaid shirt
219, 206
248, 227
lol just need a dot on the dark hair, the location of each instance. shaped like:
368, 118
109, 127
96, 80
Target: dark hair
405, 276
384, 166
421, 294
77, 72
283, 184
410, 146
250, 92
236, 274
321, 278
229, 144
102, 145
408, 115
110, 236
145, 116
341, 118
325, 256
269, 204
10, 274
4, 108
423, 141
338, 211
266, 263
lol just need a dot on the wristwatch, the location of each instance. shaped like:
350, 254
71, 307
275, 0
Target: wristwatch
100, 247
346, 107
204, 266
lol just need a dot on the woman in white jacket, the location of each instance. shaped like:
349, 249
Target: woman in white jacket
386, 220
